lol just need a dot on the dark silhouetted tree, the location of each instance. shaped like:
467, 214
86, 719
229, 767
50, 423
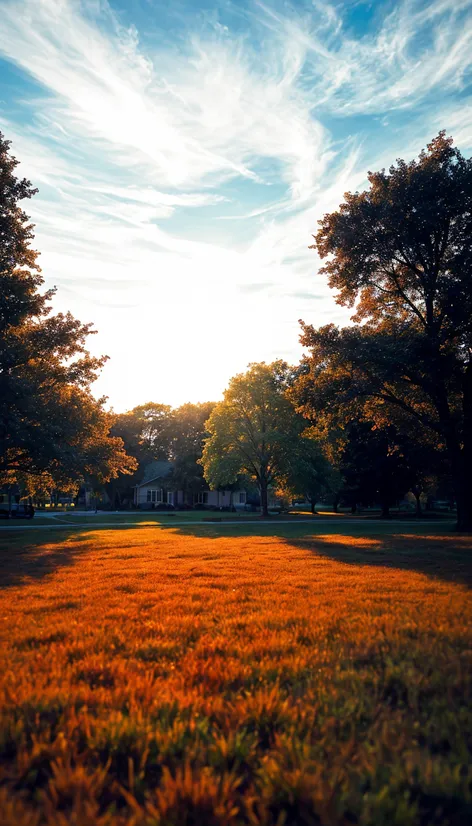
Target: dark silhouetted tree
50, 424
402, 253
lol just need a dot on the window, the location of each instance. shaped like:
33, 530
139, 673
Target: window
170, 497
154, 495
202, 498
242, 497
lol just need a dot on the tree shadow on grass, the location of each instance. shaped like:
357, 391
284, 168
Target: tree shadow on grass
442, 557
431, 550
26, 557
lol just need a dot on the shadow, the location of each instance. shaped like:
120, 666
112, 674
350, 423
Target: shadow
430, 549
34, 555
434, 550
444, 557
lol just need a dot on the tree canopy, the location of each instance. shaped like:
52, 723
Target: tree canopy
308, 472
401, 252
254, 431
50, 424
145, 431
188, 426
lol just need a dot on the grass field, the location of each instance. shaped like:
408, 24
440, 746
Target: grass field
151, 518
139, 517
211, 675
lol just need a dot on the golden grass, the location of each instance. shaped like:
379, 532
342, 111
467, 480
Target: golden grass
160, 679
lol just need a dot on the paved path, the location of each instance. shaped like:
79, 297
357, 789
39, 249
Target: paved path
211, 524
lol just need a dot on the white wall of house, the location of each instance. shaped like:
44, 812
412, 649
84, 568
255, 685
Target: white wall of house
153, 494
221, 498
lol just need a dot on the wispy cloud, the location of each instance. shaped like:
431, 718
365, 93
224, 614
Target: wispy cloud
418, 47
212, 114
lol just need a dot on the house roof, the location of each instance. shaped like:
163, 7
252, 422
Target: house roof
154, 471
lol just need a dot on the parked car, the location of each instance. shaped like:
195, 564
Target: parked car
15, 507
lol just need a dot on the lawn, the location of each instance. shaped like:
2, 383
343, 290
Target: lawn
139, 517
150, 518
213, 675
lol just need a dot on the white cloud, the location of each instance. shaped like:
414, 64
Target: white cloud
419, 47
213, 113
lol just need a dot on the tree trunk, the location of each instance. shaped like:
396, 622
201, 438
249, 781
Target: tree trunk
313, 506
419, 510
464, 503
336, 503
264, 500
385, 510
463, 466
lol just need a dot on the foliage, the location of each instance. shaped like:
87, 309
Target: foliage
402, 253
50, 424
188, 433
145, 431
146, 435
188, 429
154, 431
309, 473
254, 430
252, 680
373, 466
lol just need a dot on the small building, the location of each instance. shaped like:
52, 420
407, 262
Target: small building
156, 489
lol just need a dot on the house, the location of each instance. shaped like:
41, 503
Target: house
153, 490
156, 489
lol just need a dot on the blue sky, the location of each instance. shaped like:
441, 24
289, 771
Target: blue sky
184, 153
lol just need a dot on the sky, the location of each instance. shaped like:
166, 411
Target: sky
184, 152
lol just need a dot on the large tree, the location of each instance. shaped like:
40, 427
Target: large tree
188, 428
146, 431
49, 421
254, 431
146, 436
401, 252
374, 467
309, 473
155, 431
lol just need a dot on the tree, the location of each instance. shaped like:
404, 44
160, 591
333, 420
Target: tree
188, 427
402, 252
374, 467
309, 473
146, 431
253, 431
156, 432
49, 421
426, 462
376, 450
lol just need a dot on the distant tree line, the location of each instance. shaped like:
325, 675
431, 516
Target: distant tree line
375, 409
152, 432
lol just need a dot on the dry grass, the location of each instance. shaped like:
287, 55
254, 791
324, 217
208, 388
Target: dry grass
164, 679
